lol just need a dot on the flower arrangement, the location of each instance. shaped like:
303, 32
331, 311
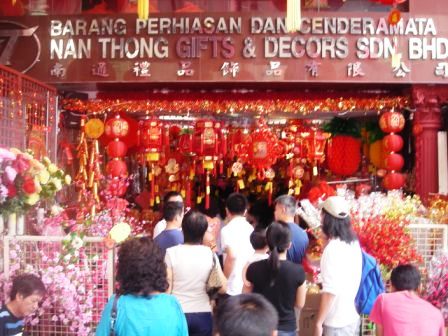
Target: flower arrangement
70, 276
437, 285
24, 180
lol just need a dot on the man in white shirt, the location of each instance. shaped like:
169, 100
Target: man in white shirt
171, 196
235, 242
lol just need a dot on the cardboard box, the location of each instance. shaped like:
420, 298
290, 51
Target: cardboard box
308, 314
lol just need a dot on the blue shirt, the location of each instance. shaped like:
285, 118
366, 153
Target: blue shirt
160, 314
299, 244
169, 238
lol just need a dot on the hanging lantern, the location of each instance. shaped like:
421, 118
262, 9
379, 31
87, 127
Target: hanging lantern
394, 162
116, 127
344, 155
392, 122
392, 143
393, 181
293, 16
150, 138
377, 153
314, 141
94, 128
117, 168
116, 149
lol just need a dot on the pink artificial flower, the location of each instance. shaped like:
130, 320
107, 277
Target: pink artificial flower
6, 154
10, 174
21, 164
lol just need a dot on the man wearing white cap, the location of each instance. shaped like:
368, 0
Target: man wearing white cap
341, 268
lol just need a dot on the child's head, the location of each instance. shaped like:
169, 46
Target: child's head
258, 239
405, 277
26, 293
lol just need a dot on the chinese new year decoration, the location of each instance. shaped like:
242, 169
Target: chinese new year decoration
392, 122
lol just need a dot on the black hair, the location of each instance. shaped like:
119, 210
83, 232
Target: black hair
236, 204
338, 228
245, 315
262, 212
194, 226
278, 236
405, 277
170, 194
213, 209
141, 267
172, 209
27, 284
258, 238
289, 203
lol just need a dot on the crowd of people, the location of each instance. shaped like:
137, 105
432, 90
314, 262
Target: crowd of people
162, 280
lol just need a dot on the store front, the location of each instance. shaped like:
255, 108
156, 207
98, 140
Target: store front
211, 97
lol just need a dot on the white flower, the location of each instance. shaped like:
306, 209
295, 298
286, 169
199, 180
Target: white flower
32, 199
56, 210
46, 160
68, 179
44, 176
77, 243
52, 168
57, 183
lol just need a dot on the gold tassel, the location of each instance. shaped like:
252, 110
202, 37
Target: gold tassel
143, 9
293, 16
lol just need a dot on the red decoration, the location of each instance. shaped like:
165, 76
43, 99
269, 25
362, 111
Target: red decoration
322, 191
117, 127
394, 17
394, 162
116, 149
117, 168
151, 136
393, 181
392, 143
344, 155
392, 122
314, 141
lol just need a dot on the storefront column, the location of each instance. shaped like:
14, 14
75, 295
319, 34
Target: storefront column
427, 121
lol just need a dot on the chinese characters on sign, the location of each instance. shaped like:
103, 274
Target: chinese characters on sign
58, 71
185, 69
100, 69
441, 70
230, 68
401, 70
313, 68
274, 69
355, 70
141, 69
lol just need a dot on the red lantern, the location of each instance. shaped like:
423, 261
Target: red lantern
392, 143
116, 149
392, 122
117, 168
344, 155
394, 162
117, 127
394, 17
393, 181
314, 141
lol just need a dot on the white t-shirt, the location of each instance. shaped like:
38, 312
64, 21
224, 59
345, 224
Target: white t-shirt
236, 235
191, 266
341, 268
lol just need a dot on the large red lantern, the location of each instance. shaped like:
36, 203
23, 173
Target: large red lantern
393, 143
117, 168
393, 162
116, 127
344, 155
392, 122
116, 149
393, 181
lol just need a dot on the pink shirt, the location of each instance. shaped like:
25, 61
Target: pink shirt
402, 313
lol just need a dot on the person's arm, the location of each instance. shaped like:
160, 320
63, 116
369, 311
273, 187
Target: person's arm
379, 330
326, 302
301, 296
229, 261
223, 278
248, 287
169, 273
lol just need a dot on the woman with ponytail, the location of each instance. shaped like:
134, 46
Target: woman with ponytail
281, 281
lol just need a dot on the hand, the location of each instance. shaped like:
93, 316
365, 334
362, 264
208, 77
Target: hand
318, 330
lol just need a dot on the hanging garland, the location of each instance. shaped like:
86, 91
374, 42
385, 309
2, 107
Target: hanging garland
259, 106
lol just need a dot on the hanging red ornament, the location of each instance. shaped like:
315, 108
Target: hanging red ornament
117, 168
392, 143
116, 149
393, 181
394, 17
150, 138
344, 155
116, 127
394, 162
392, 122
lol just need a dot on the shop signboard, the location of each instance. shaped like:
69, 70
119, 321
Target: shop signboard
339, 48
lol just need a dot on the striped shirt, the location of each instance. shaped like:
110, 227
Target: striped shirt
9, 324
